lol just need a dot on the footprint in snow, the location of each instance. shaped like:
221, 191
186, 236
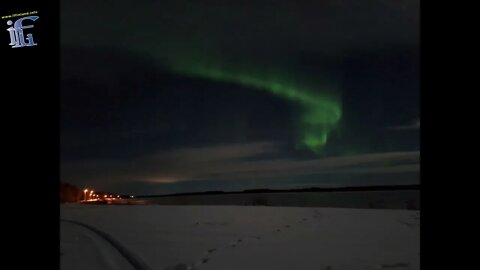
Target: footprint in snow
180, 266
394, 265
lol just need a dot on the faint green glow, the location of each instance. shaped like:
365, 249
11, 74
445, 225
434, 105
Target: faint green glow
321, 112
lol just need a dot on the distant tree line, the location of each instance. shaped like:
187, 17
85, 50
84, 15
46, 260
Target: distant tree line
69, 193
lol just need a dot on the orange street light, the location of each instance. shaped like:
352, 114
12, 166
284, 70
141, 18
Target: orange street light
85, 194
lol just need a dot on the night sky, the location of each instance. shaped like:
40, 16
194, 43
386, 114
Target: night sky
183, 96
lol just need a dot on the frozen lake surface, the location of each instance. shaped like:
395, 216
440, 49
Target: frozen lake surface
237, 237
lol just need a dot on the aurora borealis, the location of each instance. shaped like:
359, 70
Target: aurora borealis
320, 112
182, 95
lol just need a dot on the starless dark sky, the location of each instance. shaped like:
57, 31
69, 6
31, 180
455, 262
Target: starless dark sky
180, 96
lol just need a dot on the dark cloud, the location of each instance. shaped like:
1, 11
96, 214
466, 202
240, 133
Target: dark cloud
276, 27
233, 163
413, 125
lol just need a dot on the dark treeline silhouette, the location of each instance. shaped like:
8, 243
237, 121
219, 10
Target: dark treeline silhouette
312, 189
69, 193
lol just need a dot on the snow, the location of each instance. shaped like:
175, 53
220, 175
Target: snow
82, 248
242, 237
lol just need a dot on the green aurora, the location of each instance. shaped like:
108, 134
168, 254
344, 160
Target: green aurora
321, 110
201, 56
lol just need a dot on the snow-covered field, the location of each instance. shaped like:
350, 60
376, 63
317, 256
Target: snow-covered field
237, 237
